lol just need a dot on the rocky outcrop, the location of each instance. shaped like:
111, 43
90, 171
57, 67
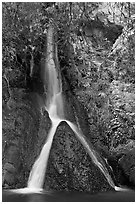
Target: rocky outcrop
101, 28
127, 164
21, 141
122, 161
70, 168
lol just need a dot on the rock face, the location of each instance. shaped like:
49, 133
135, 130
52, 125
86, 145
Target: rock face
21, 141
25, 127
127, 164
70, 168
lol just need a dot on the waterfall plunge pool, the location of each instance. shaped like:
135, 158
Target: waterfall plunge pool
43, 196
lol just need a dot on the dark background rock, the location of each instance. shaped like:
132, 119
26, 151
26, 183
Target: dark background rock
21, 138
97, 27
127, 164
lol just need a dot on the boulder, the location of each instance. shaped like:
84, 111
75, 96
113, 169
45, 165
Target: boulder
127, 164
70, 168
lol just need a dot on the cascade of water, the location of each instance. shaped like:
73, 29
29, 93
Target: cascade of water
54, 106
36, 178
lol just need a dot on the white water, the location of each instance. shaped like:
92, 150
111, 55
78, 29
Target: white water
37, 175
54, 106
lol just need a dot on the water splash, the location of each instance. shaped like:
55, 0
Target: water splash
27, 190
121, 189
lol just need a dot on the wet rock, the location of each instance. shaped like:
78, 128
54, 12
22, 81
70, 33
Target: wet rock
20, 138
9, 167
127, 163
9, 175
9, 179
70, 168
13, 155
75, 112
123, 164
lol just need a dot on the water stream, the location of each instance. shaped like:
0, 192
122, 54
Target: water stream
54, 106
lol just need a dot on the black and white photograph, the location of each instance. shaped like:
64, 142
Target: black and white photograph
68, 101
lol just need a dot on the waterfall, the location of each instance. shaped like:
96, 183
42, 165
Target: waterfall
54, 106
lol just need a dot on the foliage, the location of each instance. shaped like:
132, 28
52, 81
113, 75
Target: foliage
23, 34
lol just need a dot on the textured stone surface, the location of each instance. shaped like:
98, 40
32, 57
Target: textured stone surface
70, 168
127, 163
21, 141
